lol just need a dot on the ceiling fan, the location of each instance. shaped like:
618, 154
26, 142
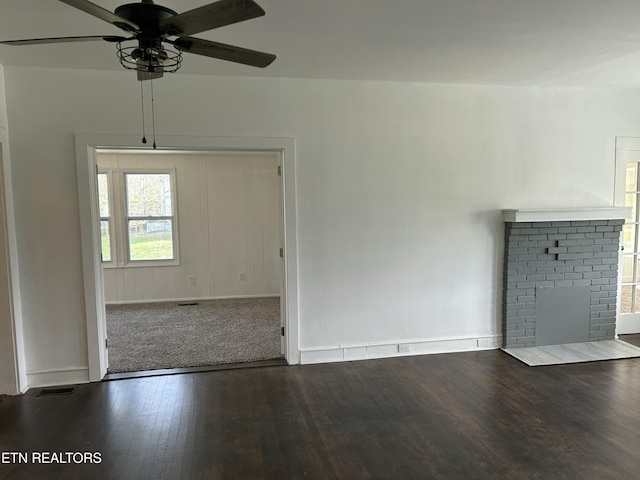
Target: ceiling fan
150, 51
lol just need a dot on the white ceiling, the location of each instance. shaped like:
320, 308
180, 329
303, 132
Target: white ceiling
505, 42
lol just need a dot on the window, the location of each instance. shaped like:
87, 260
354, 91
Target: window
137, 218
105, 220
149, 216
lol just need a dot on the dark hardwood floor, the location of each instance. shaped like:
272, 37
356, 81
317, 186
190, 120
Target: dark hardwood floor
633, 339
478, 415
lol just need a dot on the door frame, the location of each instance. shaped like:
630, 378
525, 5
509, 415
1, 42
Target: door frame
86, 146
626, 323
16, 378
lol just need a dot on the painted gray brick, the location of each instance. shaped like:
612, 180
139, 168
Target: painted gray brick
526, 299
546, 270
583, 268
593, 261
564, 269
605, 254
574, 263
555, 276
515, 333
555, 263
604, 241
557, 236
586, 248
534, 260
567, 243
530, 339
592, 275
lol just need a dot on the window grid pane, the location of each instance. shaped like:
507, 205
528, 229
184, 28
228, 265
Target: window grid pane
103, 195
105, 237
149, 195
151, 239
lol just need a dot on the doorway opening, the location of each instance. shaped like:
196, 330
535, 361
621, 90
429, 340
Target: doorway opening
189, 248
165, 223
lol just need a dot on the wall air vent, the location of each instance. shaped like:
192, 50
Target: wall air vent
48, 392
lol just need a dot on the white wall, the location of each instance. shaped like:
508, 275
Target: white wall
227, 221
399, 189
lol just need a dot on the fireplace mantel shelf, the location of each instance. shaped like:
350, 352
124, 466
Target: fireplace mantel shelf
565, 214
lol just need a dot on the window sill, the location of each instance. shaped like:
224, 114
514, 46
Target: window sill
143, 264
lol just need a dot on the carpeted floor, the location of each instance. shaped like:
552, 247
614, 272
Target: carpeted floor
152, 336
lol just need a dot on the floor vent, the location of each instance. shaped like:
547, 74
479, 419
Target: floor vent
186, 304
47, 392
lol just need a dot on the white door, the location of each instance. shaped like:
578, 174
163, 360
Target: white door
628, 194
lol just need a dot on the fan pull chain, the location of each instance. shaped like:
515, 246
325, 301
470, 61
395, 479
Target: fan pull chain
144, 136
153, 117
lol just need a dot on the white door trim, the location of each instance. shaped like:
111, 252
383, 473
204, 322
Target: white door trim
19, 382
89, 228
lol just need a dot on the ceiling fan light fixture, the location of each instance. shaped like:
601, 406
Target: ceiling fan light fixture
134, 57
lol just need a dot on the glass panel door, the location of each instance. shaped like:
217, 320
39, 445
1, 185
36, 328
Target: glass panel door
630, 302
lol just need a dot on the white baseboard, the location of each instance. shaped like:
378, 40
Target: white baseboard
347, 353
627, 325
52, 378
191, 299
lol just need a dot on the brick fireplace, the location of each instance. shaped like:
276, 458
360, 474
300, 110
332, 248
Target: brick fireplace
560, 275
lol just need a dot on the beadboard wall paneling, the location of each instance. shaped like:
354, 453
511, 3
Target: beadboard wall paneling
228, 221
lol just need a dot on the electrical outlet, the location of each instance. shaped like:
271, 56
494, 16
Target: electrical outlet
242, 276
404, 348
192, 279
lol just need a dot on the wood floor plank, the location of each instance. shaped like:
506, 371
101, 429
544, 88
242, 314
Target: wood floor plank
475, 415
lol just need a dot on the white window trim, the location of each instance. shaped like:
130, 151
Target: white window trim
119, 219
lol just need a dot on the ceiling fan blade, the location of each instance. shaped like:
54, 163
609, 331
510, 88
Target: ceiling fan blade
224, 52
103, 14
214, 15
37, 41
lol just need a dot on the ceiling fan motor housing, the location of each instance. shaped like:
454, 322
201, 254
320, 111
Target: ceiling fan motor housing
147, 16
